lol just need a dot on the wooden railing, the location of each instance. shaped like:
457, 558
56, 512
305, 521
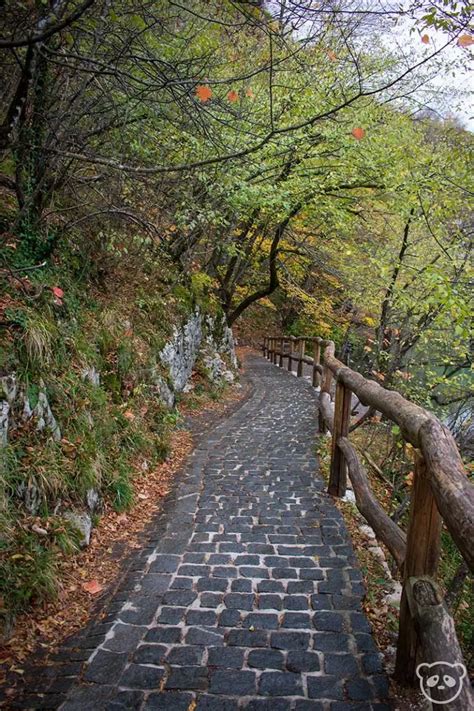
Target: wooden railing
441, 492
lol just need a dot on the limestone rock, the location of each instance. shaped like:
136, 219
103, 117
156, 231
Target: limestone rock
207, 336
4, 412
216, 367
45, 417
349, 496
91, 375
221, 338
179, 354
164, 391
92, 498
83, 523
219, 343
31, 496
10, 388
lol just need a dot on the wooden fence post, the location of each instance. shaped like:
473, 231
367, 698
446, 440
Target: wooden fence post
275, 344
270, 350
316, 361
301, 349
326, 380
423, 549
280, 362
264, 348
290, 352
342, 418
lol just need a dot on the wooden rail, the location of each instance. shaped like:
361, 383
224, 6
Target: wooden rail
441, 493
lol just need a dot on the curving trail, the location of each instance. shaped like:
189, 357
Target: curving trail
248, 596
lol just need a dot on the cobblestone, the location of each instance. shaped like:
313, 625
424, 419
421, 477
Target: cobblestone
246, 596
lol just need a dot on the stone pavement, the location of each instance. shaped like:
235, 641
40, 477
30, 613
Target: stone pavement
247, 596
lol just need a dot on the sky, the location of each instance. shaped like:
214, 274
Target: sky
455, 79
448, 92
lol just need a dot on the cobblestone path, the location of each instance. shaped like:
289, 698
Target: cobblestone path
249, 595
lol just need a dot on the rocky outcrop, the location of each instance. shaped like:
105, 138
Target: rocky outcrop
164, 392
4, 412
82, 523
44, 416
203, 337
16, 403
90, 374
180, 353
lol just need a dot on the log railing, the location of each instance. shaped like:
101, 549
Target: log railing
441, 493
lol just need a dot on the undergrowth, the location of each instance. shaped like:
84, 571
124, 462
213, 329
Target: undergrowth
89, 345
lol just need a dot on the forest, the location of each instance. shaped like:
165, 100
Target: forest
282, 167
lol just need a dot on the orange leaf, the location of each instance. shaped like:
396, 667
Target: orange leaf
233, 96
425, 39
203, 93
332, 55
465, 41
129, 415
250, 94
358, 133
93, 587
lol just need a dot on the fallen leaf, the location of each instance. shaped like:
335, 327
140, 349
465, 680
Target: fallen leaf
93, 587
58, 292
203, 93
129, 415
425, 39
233, 96
249, 93
358, 133
332, 55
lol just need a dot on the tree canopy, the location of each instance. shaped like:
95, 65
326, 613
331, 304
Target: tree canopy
277, 149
